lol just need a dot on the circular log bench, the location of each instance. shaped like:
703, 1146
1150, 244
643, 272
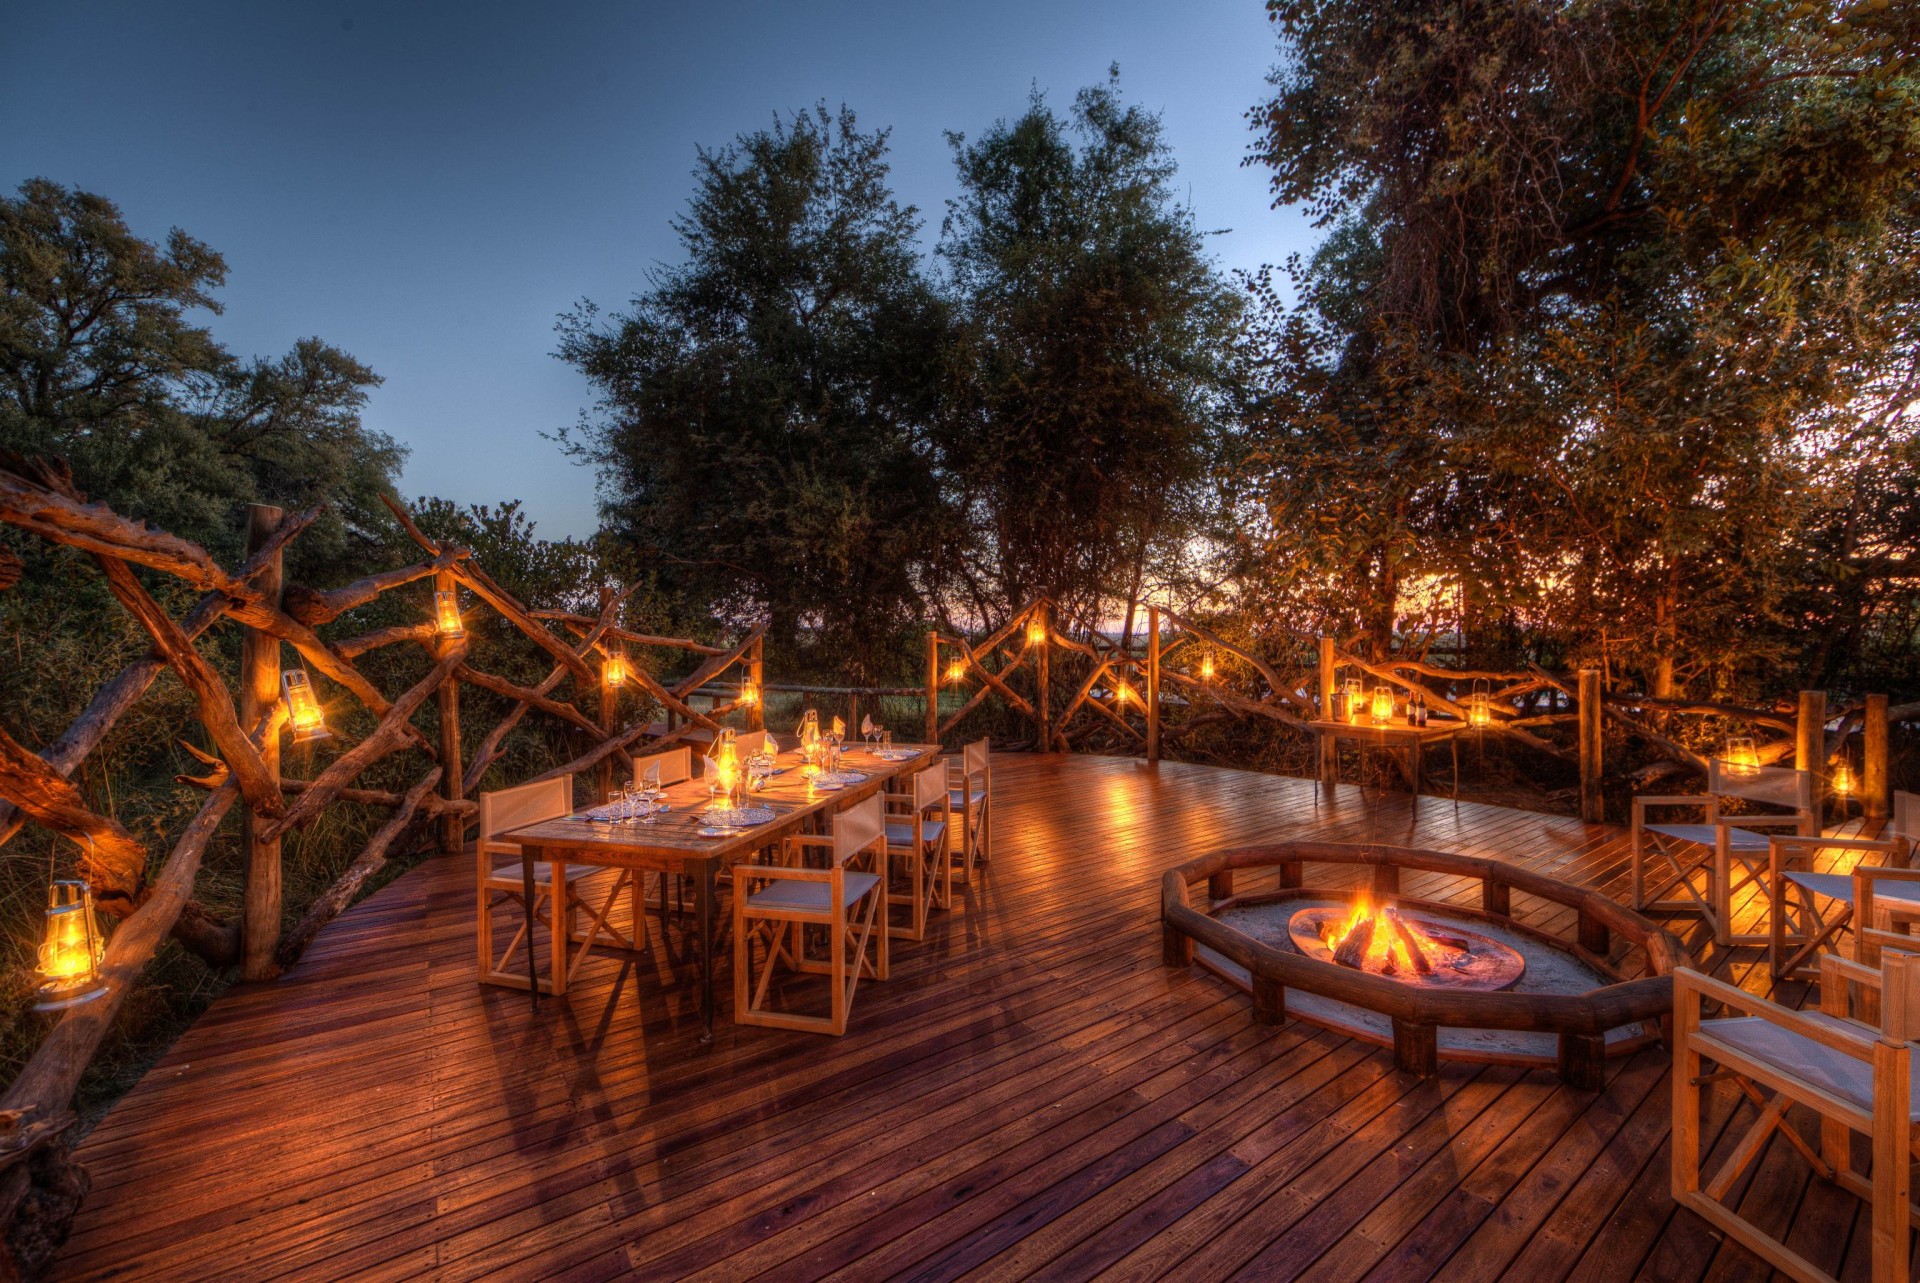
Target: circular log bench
1579, 1021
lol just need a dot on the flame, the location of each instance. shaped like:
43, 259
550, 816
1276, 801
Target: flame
1206, 667
1387, 948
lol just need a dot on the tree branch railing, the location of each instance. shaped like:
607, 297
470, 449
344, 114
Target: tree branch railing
38, 497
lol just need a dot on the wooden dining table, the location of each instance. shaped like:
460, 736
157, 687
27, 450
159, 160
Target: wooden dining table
673, 842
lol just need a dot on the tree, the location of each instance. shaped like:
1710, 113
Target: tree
762, 426
1619, 296
100, 364
1095, 377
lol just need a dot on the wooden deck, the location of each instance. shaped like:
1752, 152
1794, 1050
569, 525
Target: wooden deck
1032, 1094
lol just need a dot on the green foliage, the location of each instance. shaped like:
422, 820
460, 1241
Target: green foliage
1094, 385
761, 432
101, 365
1612, 345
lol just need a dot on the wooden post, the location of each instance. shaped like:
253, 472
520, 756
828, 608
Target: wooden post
1873, 769
259, 690
756, 673
1810, 743
853, 714
1153, 683
609, 709
1329, 746
933, 687
1593, 804
1269, 1000
1043, 676
453, 827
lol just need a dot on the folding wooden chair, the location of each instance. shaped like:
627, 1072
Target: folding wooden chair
1809, 908
1711, 861
919, 825
970, 787
556, 901
774, 904
1858, 1077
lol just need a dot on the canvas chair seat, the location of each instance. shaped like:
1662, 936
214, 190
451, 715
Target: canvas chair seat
958, 798
1839, 886
508, 876
811, 897
1802, 1059
1706, 834
902, 834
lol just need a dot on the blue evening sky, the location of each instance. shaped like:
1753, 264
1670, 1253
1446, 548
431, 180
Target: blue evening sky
429, 186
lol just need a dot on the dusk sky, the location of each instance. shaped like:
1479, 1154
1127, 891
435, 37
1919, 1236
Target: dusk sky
429, 186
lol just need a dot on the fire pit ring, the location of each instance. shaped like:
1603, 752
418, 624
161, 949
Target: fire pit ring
1570, 1008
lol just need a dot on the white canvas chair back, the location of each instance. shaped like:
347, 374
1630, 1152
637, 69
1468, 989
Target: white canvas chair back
506, 809
1906, 817
857, 828
973, 758
1773, 785
676, 765
929, 788
750, 743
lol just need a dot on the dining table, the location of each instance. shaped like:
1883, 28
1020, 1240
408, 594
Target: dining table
680, 841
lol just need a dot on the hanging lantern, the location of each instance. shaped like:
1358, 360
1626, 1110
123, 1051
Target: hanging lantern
615, 671
956, 670
1742, 753
446, 613
1382, 704
1036, 631
1842, 780
1479, 706
1122, 693
749, 694
71, 952
1206, 667
304, 714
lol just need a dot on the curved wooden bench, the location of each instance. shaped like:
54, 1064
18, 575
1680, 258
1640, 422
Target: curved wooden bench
1580, 1021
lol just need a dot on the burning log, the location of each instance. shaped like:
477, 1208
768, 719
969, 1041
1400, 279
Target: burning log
1409, 942
1353, 950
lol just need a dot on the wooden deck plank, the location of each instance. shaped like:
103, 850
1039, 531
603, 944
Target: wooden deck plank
1032, 1095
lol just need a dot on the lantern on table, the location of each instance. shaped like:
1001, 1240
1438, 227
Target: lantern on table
1479, 706
304, 714
70, 953
1742, 754
1382, 704
446, 613
723, 766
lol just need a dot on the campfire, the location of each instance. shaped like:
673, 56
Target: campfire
1388, 941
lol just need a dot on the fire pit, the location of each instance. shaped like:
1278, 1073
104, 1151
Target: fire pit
1434, 980
1406, 946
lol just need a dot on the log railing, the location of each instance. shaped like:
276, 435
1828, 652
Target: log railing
242, 717
1030, 660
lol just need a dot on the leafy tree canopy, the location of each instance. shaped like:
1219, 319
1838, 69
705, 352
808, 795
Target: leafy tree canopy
102, 363
1613, 337
762, 428
1094, 361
